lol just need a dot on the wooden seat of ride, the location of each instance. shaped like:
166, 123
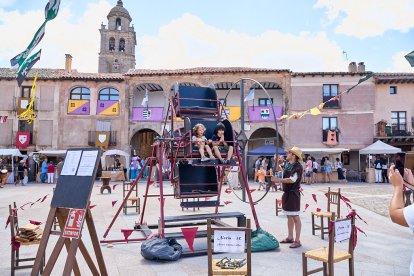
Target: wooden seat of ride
133, 200
330, 255
191, 150
334, 198
192, 100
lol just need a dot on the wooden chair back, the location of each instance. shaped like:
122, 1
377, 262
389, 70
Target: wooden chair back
334, 198
14, 222
332, 235
248, 248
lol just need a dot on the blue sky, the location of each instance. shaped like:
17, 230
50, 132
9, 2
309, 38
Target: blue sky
297, 35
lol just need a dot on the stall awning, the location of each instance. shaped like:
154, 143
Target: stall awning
324, 150
266, 150
12, 152
379, 147
50, 152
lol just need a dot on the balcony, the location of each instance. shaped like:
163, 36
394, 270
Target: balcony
113, 138
333, 139
150, 114
395, 135
22, 104
264, 113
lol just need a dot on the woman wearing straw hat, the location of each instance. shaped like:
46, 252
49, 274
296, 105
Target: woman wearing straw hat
292, 176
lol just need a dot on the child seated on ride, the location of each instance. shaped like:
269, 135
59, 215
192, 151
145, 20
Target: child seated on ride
219, 144
200, 141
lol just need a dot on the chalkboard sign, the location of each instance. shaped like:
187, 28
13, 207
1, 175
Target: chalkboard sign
75, 183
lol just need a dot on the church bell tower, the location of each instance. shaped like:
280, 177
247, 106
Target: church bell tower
118, 40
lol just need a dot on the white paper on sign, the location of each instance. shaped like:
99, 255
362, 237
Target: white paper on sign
229, 241
343, 230
87, 163
24, 104
71, 162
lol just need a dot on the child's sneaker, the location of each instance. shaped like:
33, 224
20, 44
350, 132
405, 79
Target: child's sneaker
212, 157
204, 158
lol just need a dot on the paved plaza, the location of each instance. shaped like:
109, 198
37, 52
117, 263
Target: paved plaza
386, 250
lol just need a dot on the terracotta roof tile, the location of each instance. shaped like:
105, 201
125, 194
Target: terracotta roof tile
304, 74
202, 70
394, 78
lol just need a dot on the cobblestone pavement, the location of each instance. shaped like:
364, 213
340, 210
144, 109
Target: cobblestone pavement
386, 250
374, 197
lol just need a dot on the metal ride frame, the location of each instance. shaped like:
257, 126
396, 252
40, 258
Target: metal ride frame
171, 147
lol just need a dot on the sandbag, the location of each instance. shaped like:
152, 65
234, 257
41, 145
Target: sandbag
263, 241
158, 249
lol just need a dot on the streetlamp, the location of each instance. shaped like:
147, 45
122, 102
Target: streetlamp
242, 138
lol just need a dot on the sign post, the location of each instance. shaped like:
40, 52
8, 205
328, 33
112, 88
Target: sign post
70, 206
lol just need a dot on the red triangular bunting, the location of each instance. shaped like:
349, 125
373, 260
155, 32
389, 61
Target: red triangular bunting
114, 202
306, 207
44, 198
318, 209
228, 191
35, 222
227, 202
113, 186
150, 182
189, 235
133, 201
314, 198
127, 233
7, 222
252, 190
91, 206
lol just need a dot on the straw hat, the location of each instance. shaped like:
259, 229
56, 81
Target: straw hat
296, 151
21, 161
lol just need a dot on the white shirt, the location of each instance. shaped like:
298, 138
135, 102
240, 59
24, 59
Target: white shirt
409, 218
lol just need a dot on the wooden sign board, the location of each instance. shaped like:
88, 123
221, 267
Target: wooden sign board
75, 183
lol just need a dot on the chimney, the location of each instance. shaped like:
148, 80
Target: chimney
361, 67
68, 63
352, 67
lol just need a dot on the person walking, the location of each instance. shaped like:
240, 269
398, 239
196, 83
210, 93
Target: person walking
315, 167
292, 174
257, 165
43, 176
384, 171
328, 169
50, 173
339, 168
20, 173
399, 214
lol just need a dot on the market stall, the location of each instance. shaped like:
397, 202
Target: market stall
378, 147
331, 153
113, 164
9, 154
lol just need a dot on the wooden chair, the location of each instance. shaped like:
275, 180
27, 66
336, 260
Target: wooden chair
334, 198
216, 270
330, 255
15, 250
133, 199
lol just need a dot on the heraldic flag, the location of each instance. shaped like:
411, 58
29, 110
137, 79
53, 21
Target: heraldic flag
26, 66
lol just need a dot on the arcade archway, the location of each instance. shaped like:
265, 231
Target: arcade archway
142, 140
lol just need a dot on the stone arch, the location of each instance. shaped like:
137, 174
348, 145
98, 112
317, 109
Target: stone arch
263, 136
142, 140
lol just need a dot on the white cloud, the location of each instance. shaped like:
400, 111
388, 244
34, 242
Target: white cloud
400, 64
189, 42
6, 3
64, 35
369, 18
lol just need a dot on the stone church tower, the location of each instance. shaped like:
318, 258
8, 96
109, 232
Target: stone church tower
117, 54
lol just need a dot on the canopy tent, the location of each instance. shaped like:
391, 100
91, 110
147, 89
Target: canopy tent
323, 150
108, 160
50, 152
379, 147
11, 152
266, 150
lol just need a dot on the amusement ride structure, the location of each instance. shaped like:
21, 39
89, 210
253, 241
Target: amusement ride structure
191, 178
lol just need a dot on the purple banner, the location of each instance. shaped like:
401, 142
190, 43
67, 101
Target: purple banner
152, 114
107, 108
264, 113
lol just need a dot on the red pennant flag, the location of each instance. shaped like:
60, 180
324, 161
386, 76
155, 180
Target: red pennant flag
348, 205
252, 190
7, 222
189, 235
127, 233
227, 202
228, 191
91, 207
306, 207
35, 222
133, 201
345, 198
150, 182
163, 199
360, 218
279, 202
314, 198
114, 202
15, 244
153, 235
360, 230
318, 209
301, 191
33, 203
113, 186
44, 198
206, 198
